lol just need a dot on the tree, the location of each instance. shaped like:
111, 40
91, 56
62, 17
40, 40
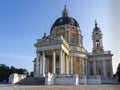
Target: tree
4, 72
21, 71
13, 70
118, 72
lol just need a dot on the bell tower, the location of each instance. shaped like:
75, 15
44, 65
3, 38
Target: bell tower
97, 40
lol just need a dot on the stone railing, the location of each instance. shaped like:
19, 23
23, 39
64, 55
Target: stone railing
82, 50
105, 52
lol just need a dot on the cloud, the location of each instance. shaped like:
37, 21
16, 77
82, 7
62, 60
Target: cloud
17, 56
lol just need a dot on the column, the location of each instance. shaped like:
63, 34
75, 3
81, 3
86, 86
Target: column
69, 36
37, 65
111, 69
39, 60
34, 62
86, 66
43, 59
53, 62
48, 65
71, 65
41, 66
61, 62
67, 65
83, 66
94, 66
79, 38
104, 68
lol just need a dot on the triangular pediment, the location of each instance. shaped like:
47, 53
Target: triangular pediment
48, 41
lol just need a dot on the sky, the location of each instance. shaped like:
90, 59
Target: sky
22, 22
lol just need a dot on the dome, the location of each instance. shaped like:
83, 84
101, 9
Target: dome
65, 20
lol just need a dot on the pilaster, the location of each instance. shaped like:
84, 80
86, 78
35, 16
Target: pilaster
104, 68
94, 66
83, 67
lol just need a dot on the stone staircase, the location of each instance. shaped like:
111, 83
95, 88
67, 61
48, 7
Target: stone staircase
32, 81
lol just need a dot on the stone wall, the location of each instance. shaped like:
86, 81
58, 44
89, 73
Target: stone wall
14, 78
109, 80
94, 80
51, 79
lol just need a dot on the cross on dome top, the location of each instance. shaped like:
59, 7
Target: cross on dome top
65, 12
95, 23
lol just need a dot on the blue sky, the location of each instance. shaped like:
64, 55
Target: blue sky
24, 21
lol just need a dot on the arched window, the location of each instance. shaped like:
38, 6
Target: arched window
97, 43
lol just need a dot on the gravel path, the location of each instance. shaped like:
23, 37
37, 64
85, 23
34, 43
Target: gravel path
60, 87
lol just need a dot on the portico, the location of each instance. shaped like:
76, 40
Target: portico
53, 58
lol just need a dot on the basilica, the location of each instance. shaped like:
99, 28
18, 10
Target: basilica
62, 59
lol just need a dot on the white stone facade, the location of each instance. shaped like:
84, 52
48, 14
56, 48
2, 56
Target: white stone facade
62, 54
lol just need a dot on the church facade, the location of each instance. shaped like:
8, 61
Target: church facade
62, 52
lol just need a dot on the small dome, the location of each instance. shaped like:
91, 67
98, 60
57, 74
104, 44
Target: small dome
96, 27
65, 20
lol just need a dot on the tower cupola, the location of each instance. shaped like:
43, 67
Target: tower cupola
97, 40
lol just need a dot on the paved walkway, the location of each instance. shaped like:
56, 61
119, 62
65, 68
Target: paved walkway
60, 87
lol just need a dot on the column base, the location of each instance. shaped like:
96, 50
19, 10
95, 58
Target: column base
43, 75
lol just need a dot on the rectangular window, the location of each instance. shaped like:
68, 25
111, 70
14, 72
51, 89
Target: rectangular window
78, 59
73, 40
91, 72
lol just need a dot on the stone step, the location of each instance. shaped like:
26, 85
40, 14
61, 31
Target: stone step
32, 81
